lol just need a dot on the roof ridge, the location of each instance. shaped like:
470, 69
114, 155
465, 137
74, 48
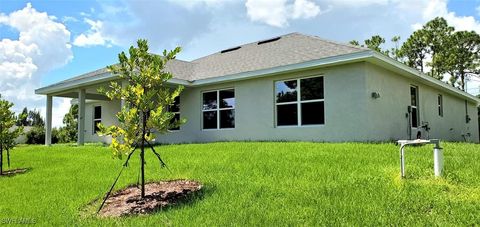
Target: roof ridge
242, 45
334, 42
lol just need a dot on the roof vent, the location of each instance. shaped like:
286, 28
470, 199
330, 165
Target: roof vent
268, 40
230, 49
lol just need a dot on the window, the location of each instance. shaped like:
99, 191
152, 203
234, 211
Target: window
218, 111
440, 105
467, 117
413, 106
175, 108
97, 118
300, 102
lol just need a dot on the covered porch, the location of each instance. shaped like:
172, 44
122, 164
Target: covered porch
83, 89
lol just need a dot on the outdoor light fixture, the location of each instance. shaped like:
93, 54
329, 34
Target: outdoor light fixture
375, 95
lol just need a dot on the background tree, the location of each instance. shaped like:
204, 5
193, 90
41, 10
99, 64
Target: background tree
68, 133
22, 119
374, 43
355, 43
7, 133
437, 35
395, 50
147, 98
435, 49
462, 58
415, 50
35, 118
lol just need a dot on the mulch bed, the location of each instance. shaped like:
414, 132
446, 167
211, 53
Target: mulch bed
158, 195
12, 172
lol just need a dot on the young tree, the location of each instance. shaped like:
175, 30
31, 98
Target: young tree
7, 134
146, 98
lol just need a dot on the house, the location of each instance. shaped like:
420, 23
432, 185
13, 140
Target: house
293, 87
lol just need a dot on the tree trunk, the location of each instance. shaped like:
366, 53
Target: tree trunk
1, 158
462, 77
142, 154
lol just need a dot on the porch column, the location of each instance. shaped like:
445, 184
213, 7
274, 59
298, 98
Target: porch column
48, 122
81, 117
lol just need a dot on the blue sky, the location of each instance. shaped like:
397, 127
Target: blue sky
46, 41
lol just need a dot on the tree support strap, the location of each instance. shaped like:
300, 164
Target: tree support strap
116, 179
162, 163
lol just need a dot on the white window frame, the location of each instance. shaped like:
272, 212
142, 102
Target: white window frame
298, 102
416, 106
218, 109
440, 105
96, 119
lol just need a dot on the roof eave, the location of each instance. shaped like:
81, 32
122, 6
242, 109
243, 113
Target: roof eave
423, 77
85, 82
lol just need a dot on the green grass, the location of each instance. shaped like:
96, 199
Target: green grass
248, 183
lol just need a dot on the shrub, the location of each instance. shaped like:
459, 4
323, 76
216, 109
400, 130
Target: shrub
37, 136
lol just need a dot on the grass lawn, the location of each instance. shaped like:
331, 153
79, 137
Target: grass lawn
255, 183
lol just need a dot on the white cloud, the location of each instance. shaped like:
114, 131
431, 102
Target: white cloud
42, 46
357, 3
93, 36
62, 107
278, 12
304, 9
67, 19
192, 4
438, 8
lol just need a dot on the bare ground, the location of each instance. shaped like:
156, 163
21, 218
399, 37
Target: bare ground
158, 195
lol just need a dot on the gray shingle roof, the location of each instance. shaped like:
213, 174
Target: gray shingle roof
289, 49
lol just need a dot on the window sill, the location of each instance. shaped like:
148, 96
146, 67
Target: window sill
218, 129
300, 126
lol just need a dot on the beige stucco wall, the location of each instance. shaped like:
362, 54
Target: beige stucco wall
388, 120
350, 112
109, 109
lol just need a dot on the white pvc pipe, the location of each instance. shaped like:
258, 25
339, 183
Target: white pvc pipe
402, 161
438, 161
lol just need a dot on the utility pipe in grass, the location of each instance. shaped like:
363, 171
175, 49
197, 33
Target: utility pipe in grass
437, 154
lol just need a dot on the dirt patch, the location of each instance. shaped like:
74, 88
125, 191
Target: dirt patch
158, 195
13, 172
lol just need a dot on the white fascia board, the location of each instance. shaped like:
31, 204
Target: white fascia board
428, 80
63, 86
91, 80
